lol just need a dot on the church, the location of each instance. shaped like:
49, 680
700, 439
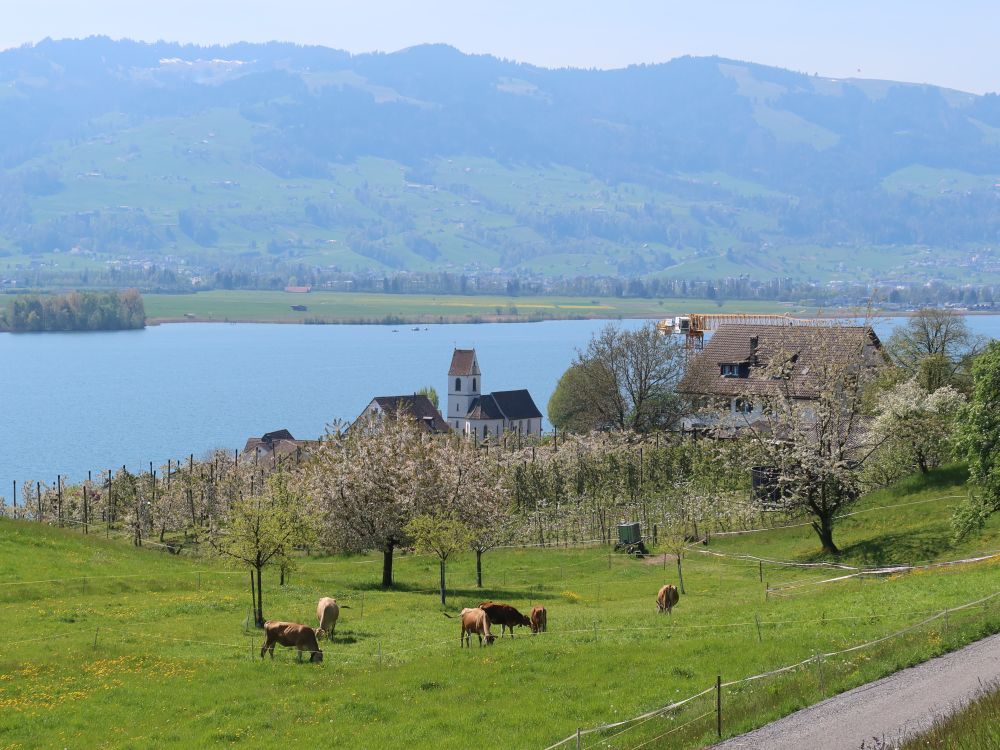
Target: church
473, 413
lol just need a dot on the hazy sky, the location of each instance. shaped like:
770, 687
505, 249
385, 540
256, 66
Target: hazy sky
946, 43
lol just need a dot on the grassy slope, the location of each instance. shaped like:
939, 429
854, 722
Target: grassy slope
144, 686
975, 727
350, 307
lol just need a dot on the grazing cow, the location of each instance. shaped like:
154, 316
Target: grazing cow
667, 599
476, 621
539, 619
327, 612
504, 615
292, 634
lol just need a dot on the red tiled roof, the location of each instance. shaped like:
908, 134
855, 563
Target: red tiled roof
463, 362
761, 348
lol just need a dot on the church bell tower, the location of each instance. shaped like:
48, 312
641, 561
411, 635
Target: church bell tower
464, 386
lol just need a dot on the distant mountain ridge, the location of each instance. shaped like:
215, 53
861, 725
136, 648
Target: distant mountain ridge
697, 166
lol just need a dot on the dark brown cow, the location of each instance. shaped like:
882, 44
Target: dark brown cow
291, 634
505, 616
539, 619
475, 620
667, 599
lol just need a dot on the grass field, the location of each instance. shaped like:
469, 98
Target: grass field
135, 648
346, 307
975, 727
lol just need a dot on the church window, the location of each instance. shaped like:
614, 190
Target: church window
458, 384
473, 384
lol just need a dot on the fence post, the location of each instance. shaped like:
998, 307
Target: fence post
380, 654
718, 706
96, 631
761, 569
578, 738
362, 606
756, 617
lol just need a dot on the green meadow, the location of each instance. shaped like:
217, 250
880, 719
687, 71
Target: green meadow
348, 307
111, 646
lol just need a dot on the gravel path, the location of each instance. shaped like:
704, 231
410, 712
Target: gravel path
884, 711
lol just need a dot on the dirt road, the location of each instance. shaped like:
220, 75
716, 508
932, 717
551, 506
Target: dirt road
879, 714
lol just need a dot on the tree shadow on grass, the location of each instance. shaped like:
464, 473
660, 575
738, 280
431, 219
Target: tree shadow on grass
900, 548
466, 593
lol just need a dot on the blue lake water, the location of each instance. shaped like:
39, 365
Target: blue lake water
73, 402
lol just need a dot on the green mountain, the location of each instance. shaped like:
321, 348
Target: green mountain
116, 153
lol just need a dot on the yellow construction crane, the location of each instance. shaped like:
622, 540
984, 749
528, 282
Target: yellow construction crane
693, 327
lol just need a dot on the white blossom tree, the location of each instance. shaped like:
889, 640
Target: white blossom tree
915, 426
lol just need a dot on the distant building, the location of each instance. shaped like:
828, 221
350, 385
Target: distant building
298, 289
417, 406
274, 446
473, 413
735, 372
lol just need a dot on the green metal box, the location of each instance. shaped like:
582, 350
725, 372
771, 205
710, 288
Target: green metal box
629, 533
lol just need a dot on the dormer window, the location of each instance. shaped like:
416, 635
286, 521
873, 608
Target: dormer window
734, 369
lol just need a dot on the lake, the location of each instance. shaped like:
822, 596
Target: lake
78, 401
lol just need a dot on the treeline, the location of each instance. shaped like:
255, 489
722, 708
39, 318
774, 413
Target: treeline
264, 275
75, 311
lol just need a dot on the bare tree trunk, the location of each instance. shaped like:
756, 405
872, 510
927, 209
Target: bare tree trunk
443, 596
253, 597
824, 529
387, 566
680, 574
260, 601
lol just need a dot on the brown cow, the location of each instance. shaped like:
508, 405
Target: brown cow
505, 616
291, 634
539, 619
327, 612
667, 599
476, 621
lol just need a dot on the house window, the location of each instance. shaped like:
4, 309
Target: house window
458, 384
743, 406
729, 370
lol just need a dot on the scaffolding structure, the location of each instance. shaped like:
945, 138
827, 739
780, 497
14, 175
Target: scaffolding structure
694, 326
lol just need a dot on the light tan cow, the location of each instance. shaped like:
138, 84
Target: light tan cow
293, 635
539, 619
476, 621
327, 612
667, 599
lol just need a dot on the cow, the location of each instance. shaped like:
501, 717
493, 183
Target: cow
327, 612
504, 615
539, 619
292, 634
475, 620
667, 599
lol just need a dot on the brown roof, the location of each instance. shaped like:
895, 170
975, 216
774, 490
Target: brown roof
756, 350
416, 405
463, 362
484, 407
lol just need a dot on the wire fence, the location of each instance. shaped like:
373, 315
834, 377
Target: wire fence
719, 686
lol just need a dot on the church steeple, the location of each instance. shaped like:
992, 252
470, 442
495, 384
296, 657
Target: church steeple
464, 385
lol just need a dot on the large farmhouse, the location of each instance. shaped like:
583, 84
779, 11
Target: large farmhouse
482, 415
743, 365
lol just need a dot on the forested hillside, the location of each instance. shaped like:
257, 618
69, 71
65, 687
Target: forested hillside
272, 156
